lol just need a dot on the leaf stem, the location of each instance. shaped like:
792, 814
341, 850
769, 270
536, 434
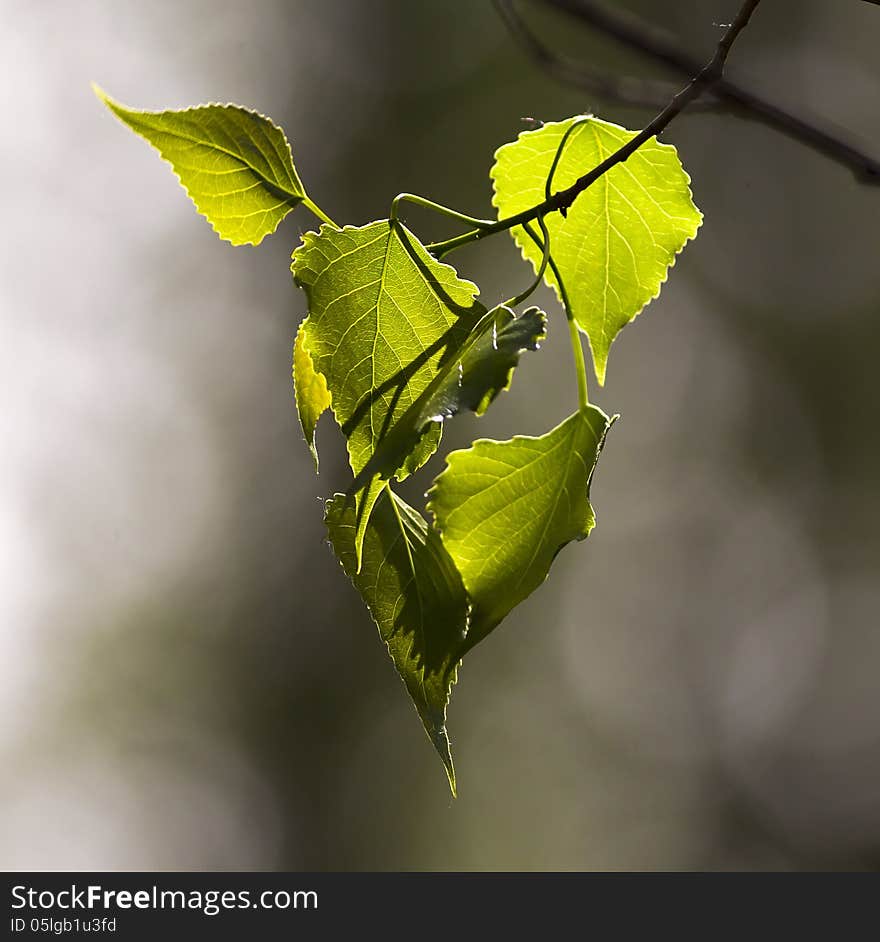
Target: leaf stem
518, 299
560, 201
316, 210
437, 208
578, 122
577, 348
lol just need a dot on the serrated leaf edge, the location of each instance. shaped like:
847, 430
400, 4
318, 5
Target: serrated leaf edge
307, 242
453, 455
609, 421
452, 676
110, 102
308, 238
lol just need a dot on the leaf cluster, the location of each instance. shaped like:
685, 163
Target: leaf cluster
396, 343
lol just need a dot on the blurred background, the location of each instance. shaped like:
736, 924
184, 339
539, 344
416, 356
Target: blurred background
189, 681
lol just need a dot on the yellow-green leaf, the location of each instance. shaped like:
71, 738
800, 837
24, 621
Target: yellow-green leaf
505, 509
234, 163
615, 244
416, 598
383, 318
312, 396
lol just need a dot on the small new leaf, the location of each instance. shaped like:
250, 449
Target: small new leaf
484, 367
416, 598
234, 163
312, 397
615, 244
505, 509
471, 378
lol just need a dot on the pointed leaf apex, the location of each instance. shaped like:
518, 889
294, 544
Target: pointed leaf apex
234, 163
416, 598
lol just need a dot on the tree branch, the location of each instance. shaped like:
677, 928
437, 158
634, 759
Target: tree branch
709, 75
560, 201
655, 44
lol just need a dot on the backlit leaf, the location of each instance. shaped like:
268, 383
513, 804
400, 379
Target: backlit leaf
416, 598
505, 509
234, 163
384, 316
620, 236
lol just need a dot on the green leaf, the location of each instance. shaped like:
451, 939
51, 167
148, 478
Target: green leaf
416, 598
312, 397
505, 509
384, 316
234, 163
620, 236
484, 367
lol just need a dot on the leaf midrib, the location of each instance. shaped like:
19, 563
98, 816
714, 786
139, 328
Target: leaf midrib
508, 505
193, 140
418, 590
551, 516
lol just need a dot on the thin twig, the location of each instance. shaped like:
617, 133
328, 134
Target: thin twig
656, 44
711, 73
560, 201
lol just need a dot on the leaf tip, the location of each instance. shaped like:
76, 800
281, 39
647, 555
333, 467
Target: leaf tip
313, 448
118, 109
440, 740
600, 363
112, 105
359, 536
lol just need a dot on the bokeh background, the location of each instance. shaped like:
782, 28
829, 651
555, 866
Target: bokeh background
188, 680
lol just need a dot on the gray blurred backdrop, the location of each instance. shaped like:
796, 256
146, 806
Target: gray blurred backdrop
188, 679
